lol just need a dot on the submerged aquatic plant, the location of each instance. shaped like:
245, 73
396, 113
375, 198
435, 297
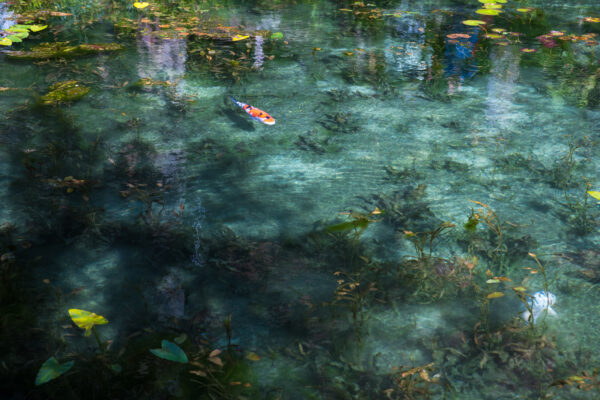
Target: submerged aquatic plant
52, 369
170, 351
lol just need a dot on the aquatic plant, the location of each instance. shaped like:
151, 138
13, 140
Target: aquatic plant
52, 369
88, 321
170, 351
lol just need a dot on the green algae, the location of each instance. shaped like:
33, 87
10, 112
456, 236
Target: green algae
46, 51
63, 92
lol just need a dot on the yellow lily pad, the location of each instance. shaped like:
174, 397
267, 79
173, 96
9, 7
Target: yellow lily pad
493, 36
239, 37
141, 4
495, 295
524, 10
487, 11
473, 22
5, 42
86, 320
591, 19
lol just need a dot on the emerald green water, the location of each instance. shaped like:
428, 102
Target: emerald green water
154, 201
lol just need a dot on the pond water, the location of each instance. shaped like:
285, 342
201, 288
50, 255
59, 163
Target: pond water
423, 180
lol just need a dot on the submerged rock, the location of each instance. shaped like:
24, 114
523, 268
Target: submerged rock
65, 91
62, 50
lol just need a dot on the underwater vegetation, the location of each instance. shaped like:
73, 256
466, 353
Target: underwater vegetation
421, 223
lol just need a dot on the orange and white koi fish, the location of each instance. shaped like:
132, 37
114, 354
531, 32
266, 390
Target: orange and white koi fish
255, 113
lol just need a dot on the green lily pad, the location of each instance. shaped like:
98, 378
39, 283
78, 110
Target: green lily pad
277, 35
14, 38
170, 351
5, 42
18, 28
488, 11
37, 28
20, 35
51, 369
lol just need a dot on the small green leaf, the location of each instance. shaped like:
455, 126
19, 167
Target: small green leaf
14, 38
37, 28
170, 351
346, 226
51, 369
277, 35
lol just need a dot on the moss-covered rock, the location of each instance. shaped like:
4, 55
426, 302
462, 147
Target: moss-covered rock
63, 50
65, 91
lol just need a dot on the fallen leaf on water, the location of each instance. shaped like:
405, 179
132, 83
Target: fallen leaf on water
141, 4
239, 37
591, 19
527, 50
495, 295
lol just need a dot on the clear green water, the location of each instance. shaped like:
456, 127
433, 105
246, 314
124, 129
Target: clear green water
189, 212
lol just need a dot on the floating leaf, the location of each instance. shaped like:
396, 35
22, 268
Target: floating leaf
493, 36
86, 320
253, 356
51, 369
473, 22
14, 38
527, 50
37, 28
486, 11
170, 351
492, 281
524, 10
239, 37
594, 194
591, 19
519, 289
495, 295
277, 35
487, 1
18, 28
493, 6
141, 4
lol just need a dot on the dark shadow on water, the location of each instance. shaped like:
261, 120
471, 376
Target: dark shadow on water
238, 120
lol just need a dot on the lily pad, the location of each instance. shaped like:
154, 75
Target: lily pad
37, 28
239, 37
473, 22
5, 42
52, 369
170, 351
277, 35
141, 4
83, 319
487, 11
